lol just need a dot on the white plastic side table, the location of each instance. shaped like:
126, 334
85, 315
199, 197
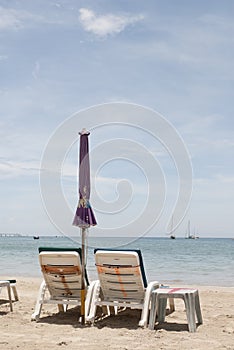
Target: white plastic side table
191, 300
8, 286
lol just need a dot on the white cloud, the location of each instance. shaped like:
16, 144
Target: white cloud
107, 24
12, 169
224, 23
214, 190
12, 19
3, 57
225, 179
9, 18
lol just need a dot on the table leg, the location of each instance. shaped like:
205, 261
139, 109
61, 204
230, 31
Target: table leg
189, 301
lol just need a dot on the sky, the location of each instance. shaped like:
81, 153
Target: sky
58, 59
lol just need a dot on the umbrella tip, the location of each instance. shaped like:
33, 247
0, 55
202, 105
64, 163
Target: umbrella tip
84, 131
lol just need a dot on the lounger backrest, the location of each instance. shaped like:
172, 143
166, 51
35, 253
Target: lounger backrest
120, 275
64, 249
62, 273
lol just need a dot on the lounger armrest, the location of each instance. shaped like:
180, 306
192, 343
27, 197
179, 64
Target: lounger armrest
145, 311
93, 303
36, 315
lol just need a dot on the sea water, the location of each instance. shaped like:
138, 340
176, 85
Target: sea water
181, 261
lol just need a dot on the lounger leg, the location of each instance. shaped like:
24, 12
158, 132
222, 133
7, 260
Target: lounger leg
153, 311
145, 311
106, 310
9, 296
62, 308
36, 315
113, 310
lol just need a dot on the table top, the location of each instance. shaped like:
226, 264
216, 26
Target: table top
4, 283
181, 290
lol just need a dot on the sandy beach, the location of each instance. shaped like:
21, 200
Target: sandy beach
56, 331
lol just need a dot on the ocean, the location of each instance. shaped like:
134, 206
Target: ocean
204, 261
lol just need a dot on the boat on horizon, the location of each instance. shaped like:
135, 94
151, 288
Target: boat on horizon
172, 235
188, 233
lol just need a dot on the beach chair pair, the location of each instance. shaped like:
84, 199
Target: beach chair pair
121, 282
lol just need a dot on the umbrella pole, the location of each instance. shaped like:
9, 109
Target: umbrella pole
82, 311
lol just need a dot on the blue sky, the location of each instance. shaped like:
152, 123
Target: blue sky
175, 57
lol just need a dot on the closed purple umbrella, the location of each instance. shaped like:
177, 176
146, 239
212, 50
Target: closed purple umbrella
84, 216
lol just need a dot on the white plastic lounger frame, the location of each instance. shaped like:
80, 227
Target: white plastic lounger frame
62, 281
121, 283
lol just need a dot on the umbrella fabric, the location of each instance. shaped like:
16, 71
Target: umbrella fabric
84, 216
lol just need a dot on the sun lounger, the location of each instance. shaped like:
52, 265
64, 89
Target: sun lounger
122, 283
61, 269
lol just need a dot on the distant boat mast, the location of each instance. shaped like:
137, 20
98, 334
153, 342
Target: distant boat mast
172, 236
188, 233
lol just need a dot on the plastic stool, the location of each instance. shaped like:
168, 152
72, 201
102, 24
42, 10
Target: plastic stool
8, 286
191, 300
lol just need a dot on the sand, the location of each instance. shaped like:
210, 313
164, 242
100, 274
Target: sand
56, 331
